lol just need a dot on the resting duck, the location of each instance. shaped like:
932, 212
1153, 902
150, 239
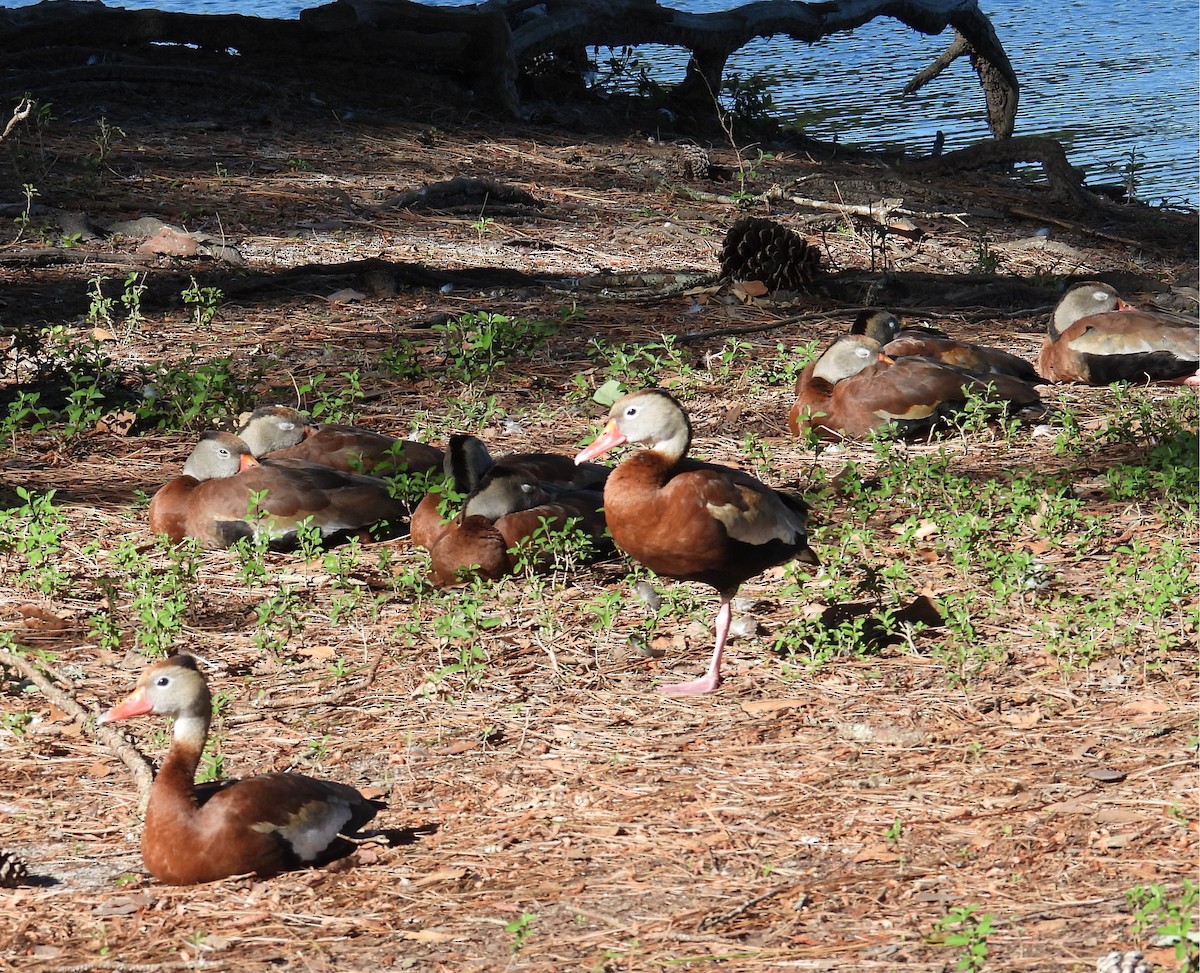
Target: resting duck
262, 825
212, 501
1095, 338
854, 388
465, 461
278, 432
473, 546
689, 520
505, 503
900, 342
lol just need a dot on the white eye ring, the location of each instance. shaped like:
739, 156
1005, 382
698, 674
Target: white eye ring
862, 352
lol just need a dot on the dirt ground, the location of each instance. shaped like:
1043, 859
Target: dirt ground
555, 811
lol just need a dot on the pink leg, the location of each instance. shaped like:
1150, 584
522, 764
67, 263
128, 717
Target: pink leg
711, 679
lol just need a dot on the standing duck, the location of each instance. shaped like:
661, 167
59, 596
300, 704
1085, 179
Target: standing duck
854, 388
689, 520
1095, 338
901, 342
225, 494
278, 432
204, 832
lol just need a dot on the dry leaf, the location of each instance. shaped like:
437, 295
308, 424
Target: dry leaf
171, 243
39, 620
428, 936
116, 423
441, 875
1144, 706
878, 853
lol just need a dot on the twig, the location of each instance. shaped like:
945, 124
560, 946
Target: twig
41, 675
709, 921
328, 699
749, 328
20, 113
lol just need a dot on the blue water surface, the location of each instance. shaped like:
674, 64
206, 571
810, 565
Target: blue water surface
1117, 83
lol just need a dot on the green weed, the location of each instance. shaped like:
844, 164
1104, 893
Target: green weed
476, 344
1159, 912
203, 301
962, 926
520, 930
33, 533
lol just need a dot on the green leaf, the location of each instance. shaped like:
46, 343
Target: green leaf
608, 393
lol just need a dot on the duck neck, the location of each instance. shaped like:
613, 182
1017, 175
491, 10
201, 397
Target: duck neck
675, 447
177, 775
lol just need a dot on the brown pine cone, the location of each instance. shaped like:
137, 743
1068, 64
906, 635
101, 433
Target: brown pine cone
13, 870
761, 249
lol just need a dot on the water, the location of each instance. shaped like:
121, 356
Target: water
1116, 83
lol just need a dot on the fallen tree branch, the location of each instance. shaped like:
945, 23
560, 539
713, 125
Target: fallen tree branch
42, 676
1066, 182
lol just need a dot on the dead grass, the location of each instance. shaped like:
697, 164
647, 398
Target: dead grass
748, 829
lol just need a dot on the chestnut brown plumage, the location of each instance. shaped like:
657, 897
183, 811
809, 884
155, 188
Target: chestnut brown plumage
465, 461
1095, 338
225, 494
689, 520
278, 432
204, 832
902, 342
854, 388
508, 501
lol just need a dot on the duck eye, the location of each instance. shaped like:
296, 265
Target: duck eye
163, 681
862, 352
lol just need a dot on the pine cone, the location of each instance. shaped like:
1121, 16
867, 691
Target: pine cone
759, 249
13, 870
1118, 962
690, 162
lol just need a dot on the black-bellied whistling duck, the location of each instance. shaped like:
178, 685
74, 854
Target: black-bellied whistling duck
689, 520
465, 461
278, 432
474, 546
525, 480
902, 342
854, 388
225, 494
204, 832
507, 500
1095, 338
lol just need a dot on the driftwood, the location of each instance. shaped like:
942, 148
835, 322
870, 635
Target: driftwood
486, 48
1066, 182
